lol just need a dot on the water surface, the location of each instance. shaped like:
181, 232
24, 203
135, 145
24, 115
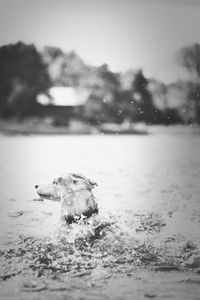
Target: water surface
149, 192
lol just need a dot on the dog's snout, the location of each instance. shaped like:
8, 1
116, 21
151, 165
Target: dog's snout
36, 186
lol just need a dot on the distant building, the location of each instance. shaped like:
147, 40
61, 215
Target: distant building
62, 103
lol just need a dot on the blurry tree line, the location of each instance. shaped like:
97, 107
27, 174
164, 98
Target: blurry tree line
23, 75
113, 97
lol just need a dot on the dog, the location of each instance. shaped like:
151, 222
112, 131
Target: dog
74, 191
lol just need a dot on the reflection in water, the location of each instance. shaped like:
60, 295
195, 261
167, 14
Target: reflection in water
148, 196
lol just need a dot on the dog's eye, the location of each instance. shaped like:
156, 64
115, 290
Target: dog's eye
75, 181
58, 180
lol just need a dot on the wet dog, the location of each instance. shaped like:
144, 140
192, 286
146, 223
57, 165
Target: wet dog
74, 191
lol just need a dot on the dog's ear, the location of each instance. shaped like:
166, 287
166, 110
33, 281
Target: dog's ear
90, 184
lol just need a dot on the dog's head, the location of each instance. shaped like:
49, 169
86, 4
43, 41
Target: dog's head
75, 193
74, 182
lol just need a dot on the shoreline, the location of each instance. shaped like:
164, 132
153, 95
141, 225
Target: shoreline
37, 127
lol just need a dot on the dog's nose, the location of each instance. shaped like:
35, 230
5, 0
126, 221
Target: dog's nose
36, 186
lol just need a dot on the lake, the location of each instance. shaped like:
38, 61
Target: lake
148, 186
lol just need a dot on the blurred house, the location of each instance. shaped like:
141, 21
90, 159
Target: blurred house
60, 104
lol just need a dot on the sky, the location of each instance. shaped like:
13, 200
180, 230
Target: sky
125, 34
